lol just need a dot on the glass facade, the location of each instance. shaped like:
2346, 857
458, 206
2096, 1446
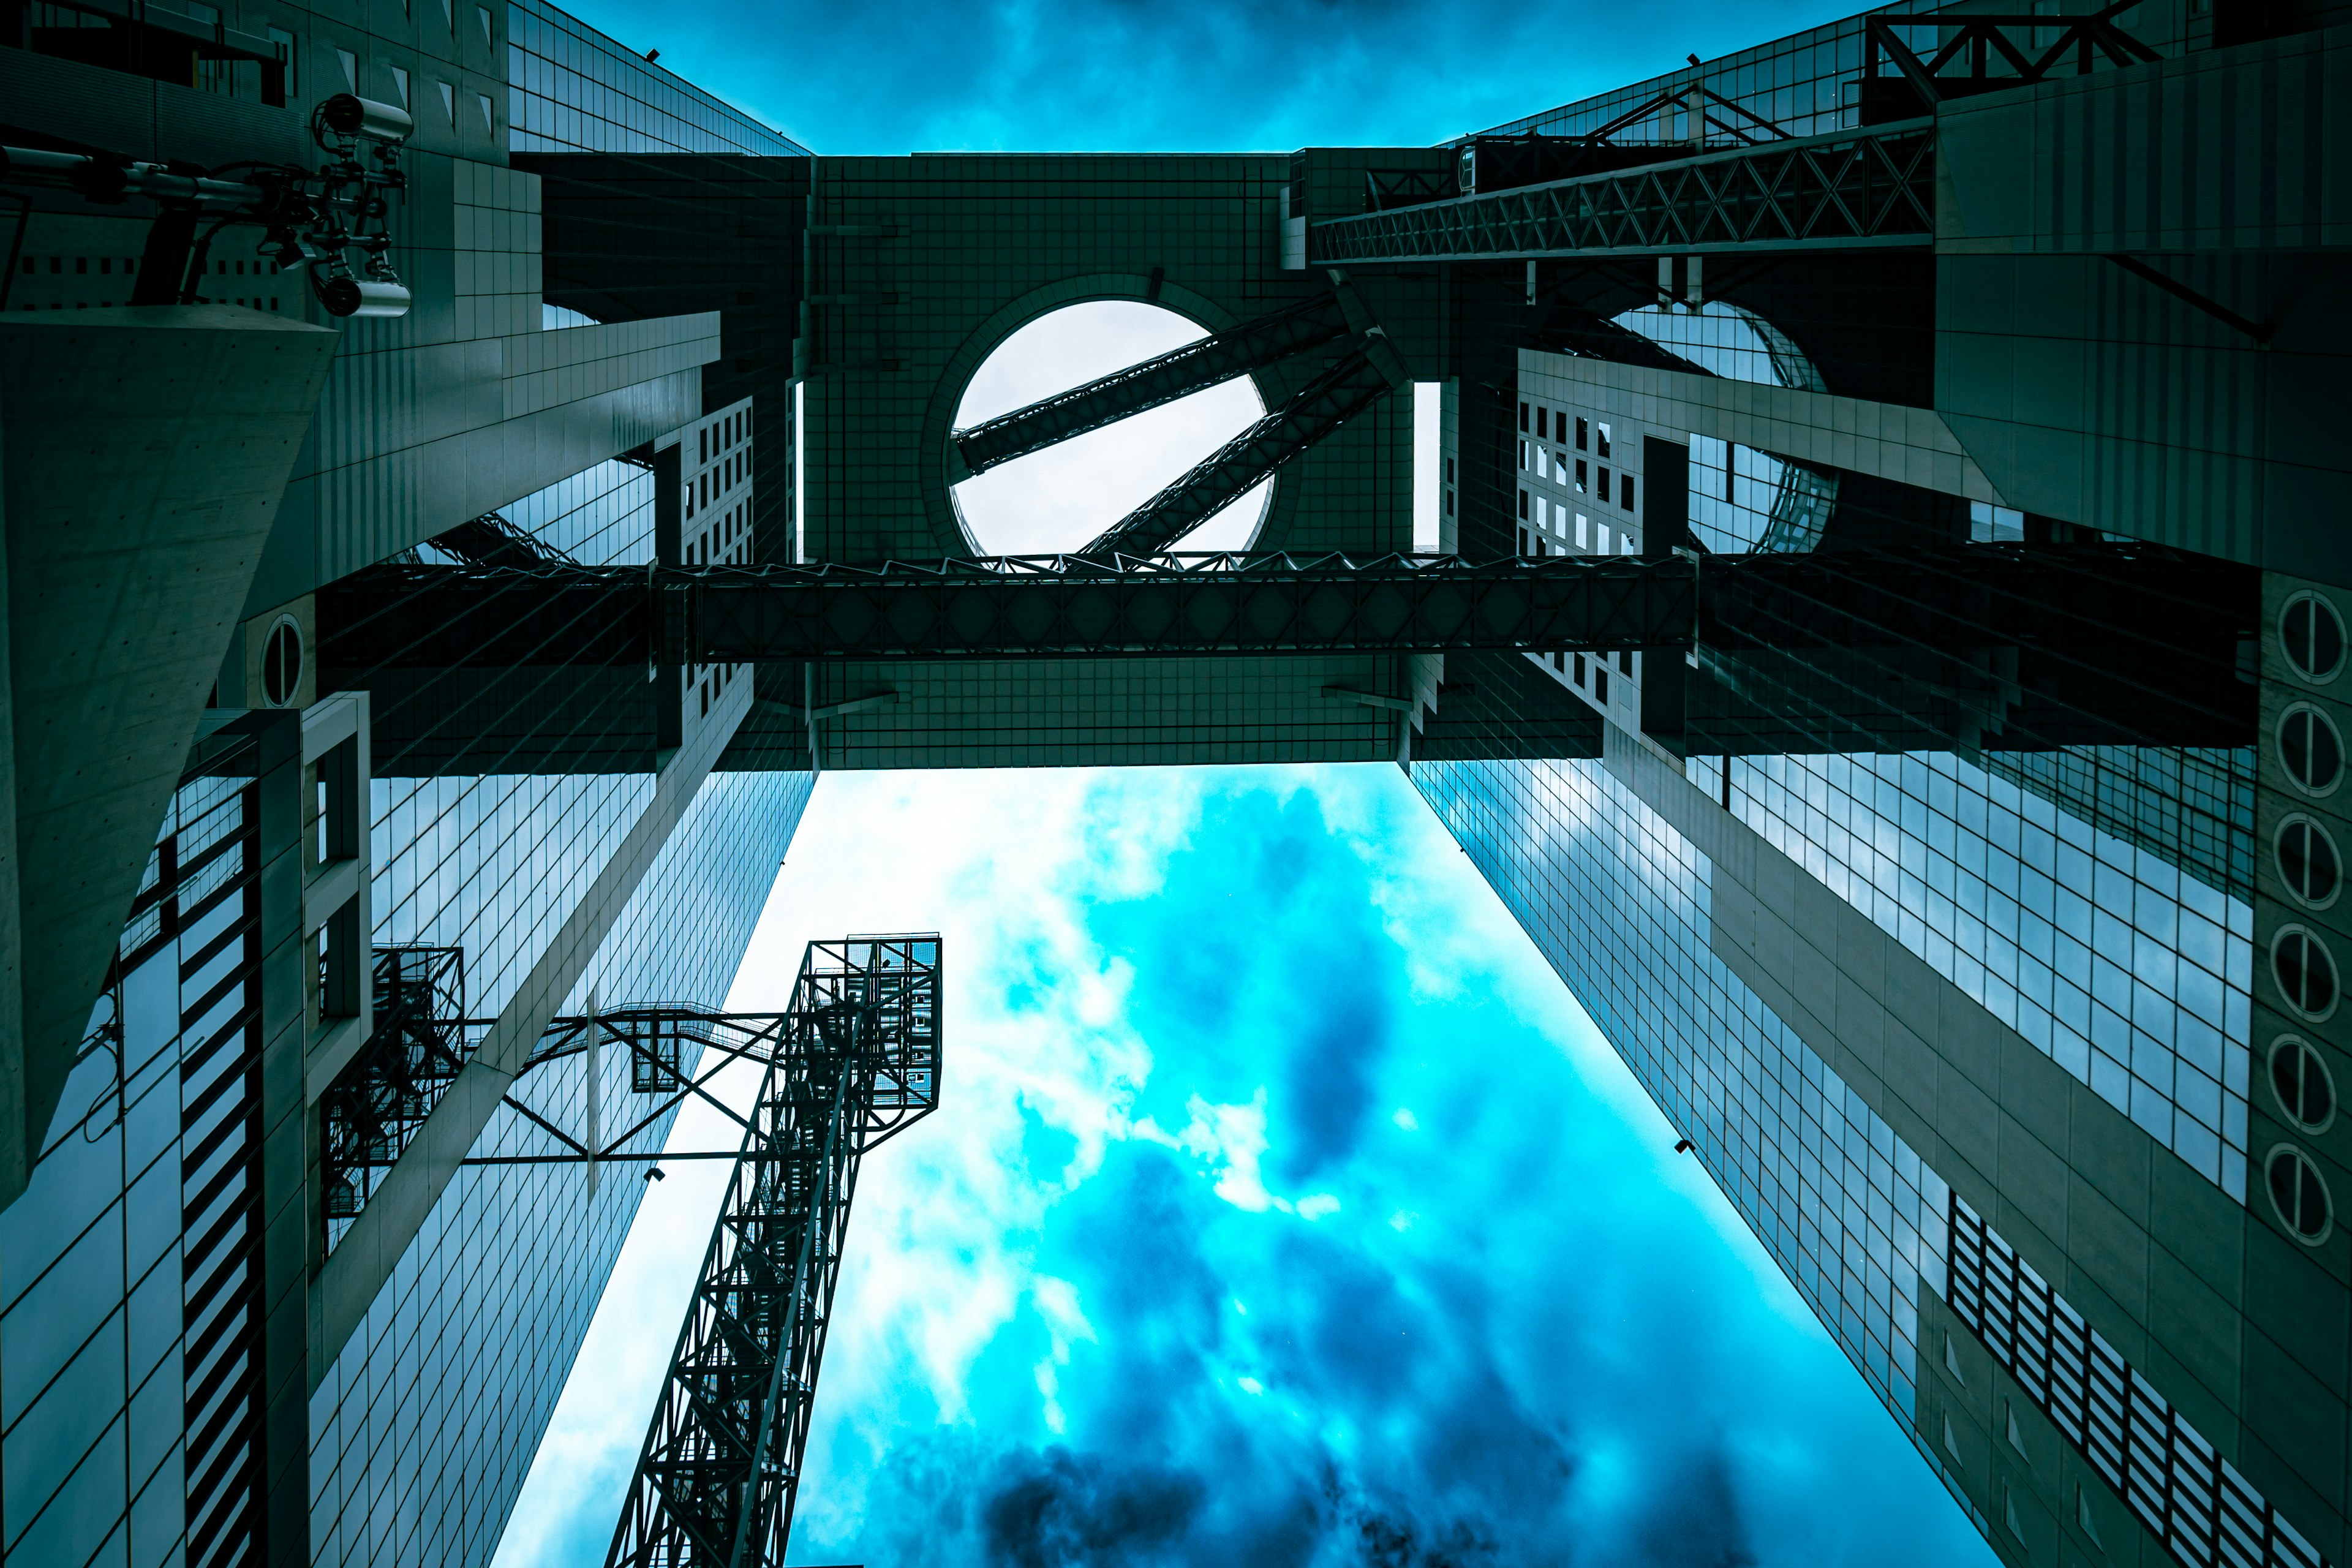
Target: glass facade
424, 1428
131, 1301
573, 90
1870, 1234
1844, 1204
2134, 978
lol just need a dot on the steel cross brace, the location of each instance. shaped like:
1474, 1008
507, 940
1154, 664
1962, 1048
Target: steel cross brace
1976, 39
1179, 372
1847, 189
1314, 413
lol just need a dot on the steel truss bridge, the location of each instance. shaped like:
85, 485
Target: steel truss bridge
394, 617
1848, 190
1868, 187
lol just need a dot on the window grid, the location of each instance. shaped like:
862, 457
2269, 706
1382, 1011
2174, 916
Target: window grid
1844, 1204
2131, 976
573, 89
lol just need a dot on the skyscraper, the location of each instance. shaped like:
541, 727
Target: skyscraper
235, 1332
1884, 651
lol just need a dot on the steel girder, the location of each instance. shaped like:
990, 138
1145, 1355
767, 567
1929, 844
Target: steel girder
1179, 372
1846, 190
1313, 413
1976, 42
1008, 607
859, 1060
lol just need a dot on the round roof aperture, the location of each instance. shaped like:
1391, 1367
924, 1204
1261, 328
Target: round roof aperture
1061, 498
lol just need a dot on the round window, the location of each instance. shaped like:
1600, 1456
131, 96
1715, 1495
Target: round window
2307, 862
2299, 1193
2311, 635
281, 663
2306, 972
2305, 1089
2310, 749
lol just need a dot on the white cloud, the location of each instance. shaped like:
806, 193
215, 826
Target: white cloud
1231, 1141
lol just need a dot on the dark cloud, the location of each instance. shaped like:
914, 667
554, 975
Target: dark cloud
1693, 1519
1128, 75
1385, 1541
1057, 1509
1286, 943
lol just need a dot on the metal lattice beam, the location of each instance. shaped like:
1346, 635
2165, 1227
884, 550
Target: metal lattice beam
1990, 54
1018, 606
1846, 190
1315, 411
1179, 372
858, 1060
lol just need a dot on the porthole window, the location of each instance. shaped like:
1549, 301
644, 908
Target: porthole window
2311, 635
281, 663
2306, 972
2299, 1193
2310, 749
2307, 862
2306, 1089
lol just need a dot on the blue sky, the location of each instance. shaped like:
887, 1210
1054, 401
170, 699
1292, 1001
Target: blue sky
1282, 1209
1206, 75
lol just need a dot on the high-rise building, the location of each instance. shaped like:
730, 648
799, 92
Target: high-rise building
235, 1331
463, 483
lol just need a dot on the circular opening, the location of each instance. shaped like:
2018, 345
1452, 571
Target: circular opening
2311, 635
1061, 498
2306, 1089
1741, 498
2299, 1193
281, 663
2310, 749
2307, 862
2306, 972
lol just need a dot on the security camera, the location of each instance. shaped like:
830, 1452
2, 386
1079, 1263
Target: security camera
347, 114
362, 297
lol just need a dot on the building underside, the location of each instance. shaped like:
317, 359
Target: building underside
1884, 480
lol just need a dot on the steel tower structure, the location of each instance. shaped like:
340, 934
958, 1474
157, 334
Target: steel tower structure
854, 1060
